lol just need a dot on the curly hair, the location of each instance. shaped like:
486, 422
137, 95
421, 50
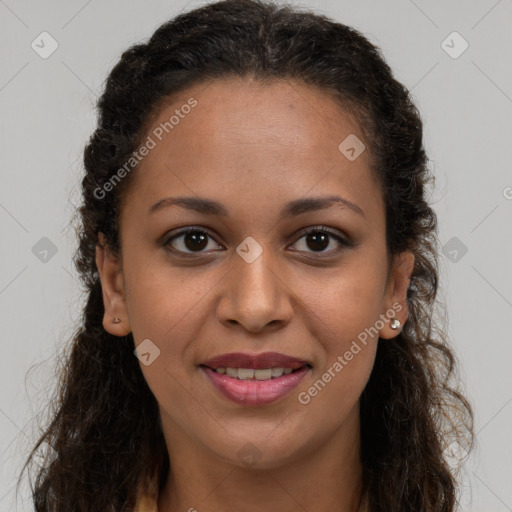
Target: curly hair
105, 427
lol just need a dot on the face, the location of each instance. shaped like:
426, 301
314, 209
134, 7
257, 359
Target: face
272, 268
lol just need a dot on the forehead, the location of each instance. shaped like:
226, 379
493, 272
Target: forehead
280, 114
232, 137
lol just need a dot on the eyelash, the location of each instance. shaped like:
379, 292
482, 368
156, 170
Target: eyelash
315, 229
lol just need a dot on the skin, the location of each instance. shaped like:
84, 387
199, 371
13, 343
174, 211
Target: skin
254, 147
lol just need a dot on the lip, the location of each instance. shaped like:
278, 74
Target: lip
256, 361
255, 392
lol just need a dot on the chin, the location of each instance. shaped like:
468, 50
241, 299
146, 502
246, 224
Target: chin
261, 453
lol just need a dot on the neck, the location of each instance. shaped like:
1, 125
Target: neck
326, 477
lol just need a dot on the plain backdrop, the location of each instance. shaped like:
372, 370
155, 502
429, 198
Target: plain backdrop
464, 95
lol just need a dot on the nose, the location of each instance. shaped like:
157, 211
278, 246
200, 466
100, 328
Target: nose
256, 295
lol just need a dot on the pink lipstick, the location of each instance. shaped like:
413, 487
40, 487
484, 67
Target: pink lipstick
255, 379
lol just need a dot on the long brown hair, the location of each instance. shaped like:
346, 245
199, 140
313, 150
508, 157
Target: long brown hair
105, 428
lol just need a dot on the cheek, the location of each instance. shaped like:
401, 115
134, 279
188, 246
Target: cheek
159, 298
163, 308
337, 388
347, 300
347, 329
344, 322
344, 312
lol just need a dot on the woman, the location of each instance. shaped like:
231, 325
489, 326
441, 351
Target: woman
255, 230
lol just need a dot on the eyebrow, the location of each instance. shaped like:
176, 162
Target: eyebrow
291, 209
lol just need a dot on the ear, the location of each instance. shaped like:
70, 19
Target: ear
112, 285
396, 293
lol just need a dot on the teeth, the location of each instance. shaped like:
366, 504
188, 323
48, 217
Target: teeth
251, 373
263, 374
245, 373
277, 372
232, 372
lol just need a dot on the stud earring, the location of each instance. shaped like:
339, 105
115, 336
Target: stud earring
395, 324
116, 320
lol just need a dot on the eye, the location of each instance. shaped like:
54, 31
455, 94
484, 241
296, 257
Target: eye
317, 238
193, 240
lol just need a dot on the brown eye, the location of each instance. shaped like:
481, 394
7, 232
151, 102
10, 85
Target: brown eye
318, 239
192, 240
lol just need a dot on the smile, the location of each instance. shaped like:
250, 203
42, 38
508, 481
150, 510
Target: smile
255, 387
252, 373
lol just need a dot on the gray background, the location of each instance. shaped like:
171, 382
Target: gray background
48, 114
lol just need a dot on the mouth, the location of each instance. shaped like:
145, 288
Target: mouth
255, 380
260, 374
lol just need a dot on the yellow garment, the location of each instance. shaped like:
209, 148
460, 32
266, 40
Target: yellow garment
147, 500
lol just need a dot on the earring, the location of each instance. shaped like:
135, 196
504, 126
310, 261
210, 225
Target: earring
395, 324
116, 320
